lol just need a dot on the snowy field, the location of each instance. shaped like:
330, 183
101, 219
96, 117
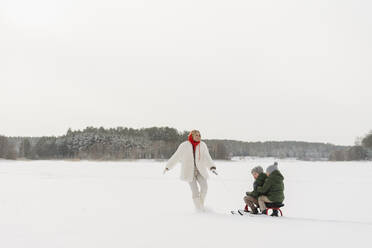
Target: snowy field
51, 204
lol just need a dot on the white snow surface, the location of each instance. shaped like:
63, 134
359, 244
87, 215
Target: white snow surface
81, 204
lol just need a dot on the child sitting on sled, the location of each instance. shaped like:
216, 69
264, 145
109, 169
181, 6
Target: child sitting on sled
251, 198
272, 191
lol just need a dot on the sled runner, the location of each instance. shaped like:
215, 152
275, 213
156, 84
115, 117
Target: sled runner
241, 212
238, 212
273, 206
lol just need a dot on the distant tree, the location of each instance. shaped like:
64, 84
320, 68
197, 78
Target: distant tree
4, 146
338, 155
162, 133
63, 150
7, 148
351, 154
184, 135
69, 132
356, 153
12, 153
25, 148
358, 141
367, 140
221, 152
46, 147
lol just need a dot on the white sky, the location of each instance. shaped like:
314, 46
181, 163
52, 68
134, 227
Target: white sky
245, 70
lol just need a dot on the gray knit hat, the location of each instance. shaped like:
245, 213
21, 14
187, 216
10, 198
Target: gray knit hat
272, 168
257, 169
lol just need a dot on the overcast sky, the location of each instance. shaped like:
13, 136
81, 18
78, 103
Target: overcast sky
246, 70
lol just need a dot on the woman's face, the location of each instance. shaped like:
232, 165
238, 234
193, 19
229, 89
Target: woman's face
196, 136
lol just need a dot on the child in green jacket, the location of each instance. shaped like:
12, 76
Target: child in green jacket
272, 191
251, 198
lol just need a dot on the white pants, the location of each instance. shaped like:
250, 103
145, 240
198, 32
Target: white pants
196, 192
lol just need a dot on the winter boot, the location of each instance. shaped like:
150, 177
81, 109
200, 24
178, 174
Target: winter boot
198, 204
275, 213
254, 211
264, 212
202, 201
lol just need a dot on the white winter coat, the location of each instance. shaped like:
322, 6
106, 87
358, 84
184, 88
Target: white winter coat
184, 155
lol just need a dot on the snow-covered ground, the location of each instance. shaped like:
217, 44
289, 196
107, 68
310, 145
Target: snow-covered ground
47, 204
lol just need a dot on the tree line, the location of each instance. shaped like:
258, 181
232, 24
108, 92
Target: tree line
160, 143
361, 151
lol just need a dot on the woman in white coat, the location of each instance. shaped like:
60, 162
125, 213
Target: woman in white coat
195, 162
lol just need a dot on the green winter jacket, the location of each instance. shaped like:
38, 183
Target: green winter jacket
258, 182
273, 187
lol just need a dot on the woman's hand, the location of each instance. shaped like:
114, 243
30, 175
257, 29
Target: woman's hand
213, 170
